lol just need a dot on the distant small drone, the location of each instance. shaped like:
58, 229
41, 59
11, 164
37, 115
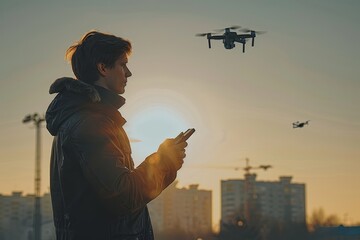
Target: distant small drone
300, 124
229, 38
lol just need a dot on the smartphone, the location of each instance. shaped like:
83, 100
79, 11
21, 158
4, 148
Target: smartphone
182, 137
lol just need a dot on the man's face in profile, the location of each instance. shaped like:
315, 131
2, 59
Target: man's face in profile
115, 78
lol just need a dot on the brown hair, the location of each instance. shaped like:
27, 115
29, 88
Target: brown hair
93, 48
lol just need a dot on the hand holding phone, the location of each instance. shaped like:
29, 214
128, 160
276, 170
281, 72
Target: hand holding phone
182, 137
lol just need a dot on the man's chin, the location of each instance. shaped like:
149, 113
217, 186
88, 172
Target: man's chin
120, 91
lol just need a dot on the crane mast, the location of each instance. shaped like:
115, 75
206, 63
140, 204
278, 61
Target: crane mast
249, 189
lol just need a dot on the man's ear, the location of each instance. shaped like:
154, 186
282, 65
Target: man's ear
102, 69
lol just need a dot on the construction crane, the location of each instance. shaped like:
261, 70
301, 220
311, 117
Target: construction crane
249, 190
247, 168
250, 195
37, 119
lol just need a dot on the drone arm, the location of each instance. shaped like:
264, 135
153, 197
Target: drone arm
217, 37
209, 37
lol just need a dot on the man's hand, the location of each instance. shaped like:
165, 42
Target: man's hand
172, 154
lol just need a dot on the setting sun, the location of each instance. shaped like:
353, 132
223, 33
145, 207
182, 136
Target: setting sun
157, 114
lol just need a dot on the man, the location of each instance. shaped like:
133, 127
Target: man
96, 191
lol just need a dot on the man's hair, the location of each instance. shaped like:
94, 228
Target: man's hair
93, 48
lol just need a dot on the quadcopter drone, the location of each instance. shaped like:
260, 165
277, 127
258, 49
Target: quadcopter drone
229, 37
300, 124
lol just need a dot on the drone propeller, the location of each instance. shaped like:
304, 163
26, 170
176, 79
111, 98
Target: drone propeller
232, 28
202, 34
247, 30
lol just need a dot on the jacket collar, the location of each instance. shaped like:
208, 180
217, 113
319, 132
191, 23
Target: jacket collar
110, 98
95, 93
75, 96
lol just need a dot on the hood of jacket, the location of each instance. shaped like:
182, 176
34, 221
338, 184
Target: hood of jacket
74, 96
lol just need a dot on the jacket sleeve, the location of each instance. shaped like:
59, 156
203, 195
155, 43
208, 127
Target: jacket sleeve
123, 191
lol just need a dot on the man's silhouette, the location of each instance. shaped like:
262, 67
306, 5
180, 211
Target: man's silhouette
97, 192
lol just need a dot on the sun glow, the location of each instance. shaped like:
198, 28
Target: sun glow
157, 114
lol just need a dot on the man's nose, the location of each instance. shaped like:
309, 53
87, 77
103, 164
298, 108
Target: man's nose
128, 73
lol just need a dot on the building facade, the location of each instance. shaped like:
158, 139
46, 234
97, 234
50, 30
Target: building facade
17, 213
181, 209
251, 200
185, 209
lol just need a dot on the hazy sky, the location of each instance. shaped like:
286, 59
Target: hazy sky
306, 67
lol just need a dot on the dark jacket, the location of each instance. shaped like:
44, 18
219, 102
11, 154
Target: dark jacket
96, 191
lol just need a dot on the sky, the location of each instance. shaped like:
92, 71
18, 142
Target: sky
242, 105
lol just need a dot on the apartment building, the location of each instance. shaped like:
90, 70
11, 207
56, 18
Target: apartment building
249, 199
17, 213
188, 209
